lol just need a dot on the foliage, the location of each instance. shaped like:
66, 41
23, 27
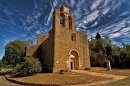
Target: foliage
125, 56
28, 67
1, 64
14, 50
98, 36
108, 50
97, 48
102, 47
29, 42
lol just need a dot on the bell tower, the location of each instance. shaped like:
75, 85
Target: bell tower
70, 47
63, 19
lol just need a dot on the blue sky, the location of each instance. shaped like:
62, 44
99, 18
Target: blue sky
24, 19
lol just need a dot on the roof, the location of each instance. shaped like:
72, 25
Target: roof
30, 50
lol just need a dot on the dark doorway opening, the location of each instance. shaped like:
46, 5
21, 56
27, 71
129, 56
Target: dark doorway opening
74, 58
71, 65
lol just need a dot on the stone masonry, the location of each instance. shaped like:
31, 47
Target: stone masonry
64, 48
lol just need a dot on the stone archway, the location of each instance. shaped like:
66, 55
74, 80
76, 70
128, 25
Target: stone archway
73, 60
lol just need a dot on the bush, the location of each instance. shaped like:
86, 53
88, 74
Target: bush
8, 66
29, 67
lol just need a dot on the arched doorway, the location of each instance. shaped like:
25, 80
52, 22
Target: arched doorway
73, 60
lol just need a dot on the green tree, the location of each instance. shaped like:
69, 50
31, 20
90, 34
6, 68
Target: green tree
125, 56
1, 64
14, 51
28, 67
116, 50
101, 47
116, 55
98, 36
29, 42
106, 41
108, 50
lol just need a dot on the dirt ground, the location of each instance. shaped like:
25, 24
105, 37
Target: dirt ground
56, 78
71, 77
114, 71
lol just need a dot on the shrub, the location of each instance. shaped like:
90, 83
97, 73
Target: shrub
8, 66
28, 67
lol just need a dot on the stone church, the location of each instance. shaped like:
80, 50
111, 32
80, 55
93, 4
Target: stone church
64, 48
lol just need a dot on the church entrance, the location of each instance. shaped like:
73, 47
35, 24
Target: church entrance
71, 65
74, 60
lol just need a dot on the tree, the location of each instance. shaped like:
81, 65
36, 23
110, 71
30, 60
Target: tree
30, 66
106, 41
14, 51
1, 64
101, 47
98, 36
29, 42
108, 50
125, 56
116, 50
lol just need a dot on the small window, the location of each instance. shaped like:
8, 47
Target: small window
73, 37
70, 22
61, 21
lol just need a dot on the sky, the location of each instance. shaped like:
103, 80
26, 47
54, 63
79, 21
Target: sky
24, 19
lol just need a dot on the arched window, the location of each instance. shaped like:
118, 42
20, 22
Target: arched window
62, 20
73, 37
70, 22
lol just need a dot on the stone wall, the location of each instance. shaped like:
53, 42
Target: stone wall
55, 50
63, 42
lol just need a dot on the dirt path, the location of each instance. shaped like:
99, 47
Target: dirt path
113, 77
124, 82
4, 82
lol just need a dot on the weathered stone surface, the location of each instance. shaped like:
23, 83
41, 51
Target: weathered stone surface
64, 48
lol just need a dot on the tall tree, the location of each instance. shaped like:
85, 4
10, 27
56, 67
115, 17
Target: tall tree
108, 50
106, 41
98, 36
1, 63
125, 56
14, 50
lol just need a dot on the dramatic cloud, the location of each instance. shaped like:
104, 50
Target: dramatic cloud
25, 19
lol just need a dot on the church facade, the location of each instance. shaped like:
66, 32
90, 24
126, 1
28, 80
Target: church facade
64, 48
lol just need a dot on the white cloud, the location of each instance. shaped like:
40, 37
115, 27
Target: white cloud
84, 27
91, 17
95, 23
55, 2
38, 32
95, 4
124, 13
116, 43
114, 35
72, 3
105, 10
49, 18
125, 30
